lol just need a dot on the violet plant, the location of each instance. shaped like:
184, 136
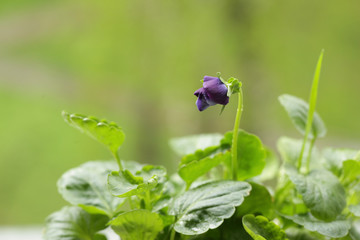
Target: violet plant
224, 187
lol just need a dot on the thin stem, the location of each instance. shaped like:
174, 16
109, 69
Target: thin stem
116, 155
148, 200
234, 163
173, 233
309, 154
302, 153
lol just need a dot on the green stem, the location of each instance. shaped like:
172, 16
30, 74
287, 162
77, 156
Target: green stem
116, 155
309, 155
173, 233
234, 163
148, 200
301, 153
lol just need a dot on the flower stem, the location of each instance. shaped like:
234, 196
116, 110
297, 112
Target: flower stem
116, 155
234, 160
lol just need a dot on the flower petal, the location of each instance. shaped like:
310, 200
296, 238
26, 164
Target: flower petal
203, 101
216, 90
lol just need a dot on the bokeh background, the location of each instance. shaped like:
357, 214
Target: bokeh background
138, 63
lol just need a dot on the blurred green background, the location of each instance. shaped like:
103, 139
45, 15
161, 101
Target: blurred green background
138, 63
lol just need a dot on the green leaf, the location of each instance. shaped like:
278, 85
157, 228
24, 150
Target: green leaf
271, 166
351, 171
198, 155
137, 224
195, 169
355, 230
73, 223
251, 154
313, 98
300, 234
297, 110
334, 158
86, 186
206, 206
107, 133
125, 184
333, 229
290, 149
355, 209
260, 228
190, 144
322, 193
259, 202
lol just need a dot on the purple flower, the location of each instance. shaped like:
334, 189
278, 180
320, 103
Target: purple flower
214, 91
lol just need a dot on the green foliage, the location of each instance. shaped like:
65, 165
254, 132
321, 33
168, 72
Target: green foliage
107, 133
260, 228
86, 186
355, 230
125, 184
137, 224
73, 223
350, 171
271, 166
251, 154
290, 150
190, 144
259, 202
195, 169
300, 234
316, 194
207, 205
334, 229
355, 209
297, 110
322, 193
334, 158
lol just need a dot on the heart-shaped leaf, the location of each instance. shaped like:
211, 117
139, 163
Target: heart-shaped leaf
333, 229
86, 186
260, 228
206, 206
107, 133
322, 193
297, 110
138, 224
251, 154
125, 184
73, 223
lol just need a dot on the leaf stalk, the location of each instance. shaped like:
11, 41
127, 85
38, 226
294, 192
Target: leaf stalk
116, 155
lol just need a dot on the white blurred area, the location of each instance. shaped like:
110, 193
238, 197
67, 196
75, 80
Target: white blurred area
21, 233
35, 233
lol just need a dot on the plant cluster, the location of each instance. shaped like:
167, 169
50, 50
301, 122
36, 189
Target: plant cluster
227, 186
